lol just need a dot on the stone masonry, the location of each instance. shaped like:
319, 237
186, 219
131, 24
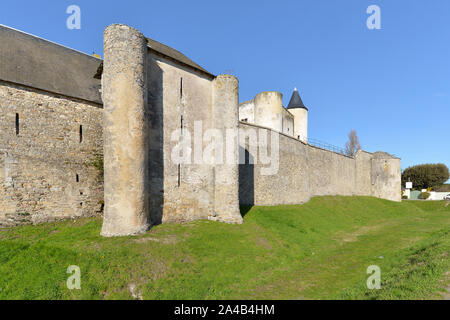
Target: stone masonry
80, 136
126, 131
47, 167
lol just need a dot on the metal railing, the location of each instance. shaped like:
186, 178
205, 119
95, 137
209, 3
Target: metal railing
325, 145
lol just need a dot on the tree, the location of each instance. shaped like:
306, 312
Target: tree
426, 176
352, 146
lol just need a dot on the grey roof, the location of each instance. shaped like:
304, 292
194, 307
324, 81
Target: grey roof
296, 101
168, 52
34, 62
174, 54
38, 63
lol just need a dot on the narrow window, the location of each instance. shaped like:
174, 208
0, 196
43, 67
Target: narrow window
81, 134
181, 124
181, 127
17, 124
181, 88
77, 178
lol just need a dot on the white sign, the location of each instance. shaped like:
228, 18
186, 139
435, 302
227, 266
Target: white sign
409, 185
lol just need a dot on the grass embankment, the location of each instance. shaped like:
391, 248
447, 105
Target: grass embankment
320, 250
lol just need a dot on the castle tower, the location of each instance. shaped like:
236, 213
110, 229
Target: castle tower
125, 132
226, 175
269, 110
300, 112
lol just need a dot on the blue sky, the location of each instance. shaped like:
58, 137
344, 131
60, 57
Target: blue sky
391, 85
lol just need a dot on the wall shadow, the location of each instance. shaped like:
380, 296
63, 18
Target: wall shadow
246, 183
156, 142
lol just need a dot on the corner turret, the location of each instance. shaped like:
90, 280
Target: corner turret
300, 112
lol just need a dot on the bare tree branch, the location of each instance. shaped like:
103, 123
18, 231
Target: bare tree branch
352, 146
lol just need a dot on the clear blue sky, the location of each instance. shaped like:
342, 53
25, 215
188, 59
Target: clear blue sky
391, 85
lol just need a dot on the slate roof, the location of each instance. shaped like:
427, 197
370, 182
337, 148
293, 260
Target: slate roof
28, 60
296, 101
175, 55
38, 63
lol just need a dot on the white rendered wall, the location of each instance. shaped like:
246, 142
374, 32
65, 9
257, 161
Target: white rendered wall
300, 123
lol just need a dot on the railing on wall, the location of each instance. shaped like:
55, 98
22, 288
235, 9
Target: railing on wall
312, 142
325, 145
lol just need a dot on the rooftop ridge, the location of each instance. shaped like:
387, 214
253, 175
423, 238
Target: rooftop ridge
174, 54
50, 41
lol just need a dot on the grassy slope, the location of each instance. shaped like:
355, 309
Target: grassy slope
314, 251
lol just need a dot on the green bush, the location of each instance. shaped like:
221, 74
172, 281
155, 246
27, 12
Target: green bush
426, 175
443, 188
424, 195
405, 197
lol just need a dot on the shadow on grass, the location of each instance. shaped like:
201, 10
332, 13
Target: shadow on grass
245, 209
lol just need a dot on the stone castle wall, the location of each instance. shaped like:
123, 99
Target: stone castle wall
178, 97
46, 163
151, 100
306, 171
52, 146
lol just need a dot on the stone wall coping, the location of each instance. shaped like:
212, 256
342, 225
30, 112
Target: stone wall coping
290, 137
307, 144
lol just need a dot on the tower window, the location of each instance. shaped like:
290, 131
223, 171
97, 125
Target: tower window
181, 88
77, 178
182, 124
81, 134
17, 124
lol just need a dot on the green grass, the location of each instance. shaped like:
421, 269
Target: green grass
319, 250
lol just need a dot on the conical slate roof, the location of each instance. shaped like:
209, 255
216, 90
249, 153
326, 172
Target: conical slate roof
296, 101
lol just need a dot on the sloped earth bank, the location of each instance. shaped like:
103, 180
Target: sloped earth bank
319, 250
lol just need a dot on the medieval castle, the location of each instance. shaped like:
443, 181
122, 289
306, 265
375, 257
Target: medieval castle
82, 136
